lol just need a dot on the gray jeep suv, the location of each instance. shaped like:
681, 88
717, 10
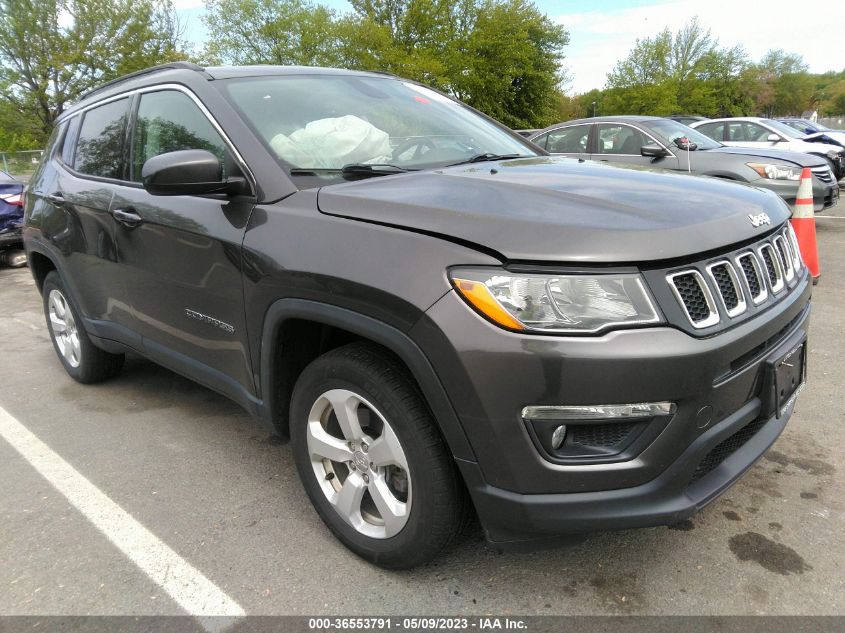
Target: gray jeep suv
441, 317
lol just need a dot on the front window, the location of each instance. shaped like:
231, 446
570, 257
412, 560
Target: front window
668, 132
784, 129
623, 140
322, 123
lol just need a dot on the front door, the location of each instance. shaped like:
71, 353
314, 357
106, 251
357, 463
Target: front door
180, 256
621, 143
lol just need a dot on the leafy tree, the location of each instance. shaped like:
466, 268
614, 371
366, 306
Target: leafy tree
501, 56
292, 32
682, 72
51, 51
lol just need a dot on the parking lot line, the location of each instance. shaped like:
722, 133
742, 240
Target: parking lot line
195, 593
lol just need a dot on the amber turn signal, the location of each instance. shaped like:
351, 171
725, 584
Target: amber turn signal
480, 297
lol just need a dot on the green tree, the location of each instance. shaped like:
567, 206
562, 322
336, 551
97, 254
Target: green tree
682, 72
51, 51
289, 32
501, 56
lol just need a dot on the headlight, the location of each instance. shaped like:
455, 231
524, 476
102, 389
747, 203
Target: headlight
572, 304
776, 172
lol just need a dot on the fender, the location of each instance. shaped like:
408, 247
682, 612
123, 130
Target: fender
396, 341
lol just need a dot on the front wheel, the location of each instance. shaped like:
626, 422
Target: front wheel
372, 460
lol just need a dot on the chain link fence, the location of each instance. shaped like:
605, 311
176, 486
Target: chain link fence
20, 164
833, 122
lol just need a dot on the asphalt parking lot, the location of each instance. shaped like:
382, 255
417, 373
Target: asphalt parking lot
207, 483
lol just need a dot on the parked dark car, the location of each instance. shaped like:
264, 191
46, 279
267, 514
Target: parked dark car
11, 221
686, 119
817, 130
666, 144
441, 317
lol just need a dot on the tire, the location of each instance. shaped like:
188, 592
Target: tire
408, 503
82, 360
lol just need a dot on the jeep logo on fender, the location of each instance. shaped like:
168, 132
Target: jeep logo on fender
760, 219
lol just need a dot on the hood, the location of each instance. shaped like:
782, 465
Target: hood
796, 158
562, 210
827, 138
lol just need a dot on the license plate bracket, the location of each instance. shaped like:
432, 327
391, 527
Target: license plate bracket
790, 375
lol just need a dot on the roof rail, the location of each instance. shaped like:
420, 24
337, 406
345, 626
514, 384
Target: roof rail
139, 73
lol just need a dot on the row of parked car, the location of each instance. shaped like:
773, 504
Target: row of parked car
762, 152
11, 219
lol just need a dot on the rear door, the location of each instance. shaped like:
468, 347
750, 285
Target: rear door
77, 220
180, 258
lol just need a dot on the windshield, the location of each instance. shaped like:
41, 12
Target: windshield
783, 128
325, 122
668, 131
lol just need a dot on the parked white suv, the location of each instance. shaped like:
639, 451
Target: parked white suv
768, 133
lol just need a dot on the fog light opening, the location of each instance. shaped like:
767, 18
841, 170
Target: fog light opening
558, 436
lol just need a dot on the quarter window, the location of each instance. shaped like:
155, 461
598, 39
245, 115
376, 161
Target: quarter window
169, 121
99, 151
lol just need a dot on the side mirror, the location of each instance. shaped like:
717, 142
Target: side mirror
653, 150
187, 172
773, 138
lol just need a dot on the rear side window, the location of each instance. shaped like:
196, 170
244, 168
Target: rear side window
169, 121
99, 151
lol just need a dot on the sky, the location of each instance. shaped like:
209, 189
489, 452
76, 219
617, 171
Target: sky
603, 31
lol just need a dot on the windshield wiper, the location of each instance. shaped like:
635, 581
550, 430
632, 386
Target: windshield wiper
358, 170
481, 158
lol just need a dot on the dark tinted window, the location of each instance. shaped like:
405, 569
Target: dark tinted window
569, 140
169, 121
99, 151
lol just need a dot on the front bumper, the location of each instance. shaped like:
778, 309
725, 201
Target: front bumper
491, 375
825, 195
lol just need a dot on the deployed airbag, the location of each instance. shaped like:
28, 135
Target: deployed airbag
333, 143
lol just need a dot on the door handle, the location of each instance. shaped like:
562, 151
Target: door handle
127, 217
56, 199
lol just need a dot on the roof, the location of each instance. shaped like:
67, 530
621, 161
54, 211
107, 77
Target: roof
186, 71
633, 118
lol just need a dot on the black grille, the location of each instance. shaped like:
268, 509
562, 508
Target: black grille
692, 296
726, 285
766, 252
603, 435
726, 448
750, 273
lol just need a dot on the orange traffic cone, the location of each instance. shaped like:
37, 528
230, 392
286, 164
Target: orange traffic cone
804, 223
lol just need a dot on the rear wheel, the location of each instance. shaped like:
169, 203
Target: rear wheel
85, 362
371, 459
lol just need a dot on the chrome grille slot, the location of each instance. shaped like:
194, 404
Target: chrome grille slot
774, 271
693, 294
824, 174
792, 239
727, 283
785, 257
753, 275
